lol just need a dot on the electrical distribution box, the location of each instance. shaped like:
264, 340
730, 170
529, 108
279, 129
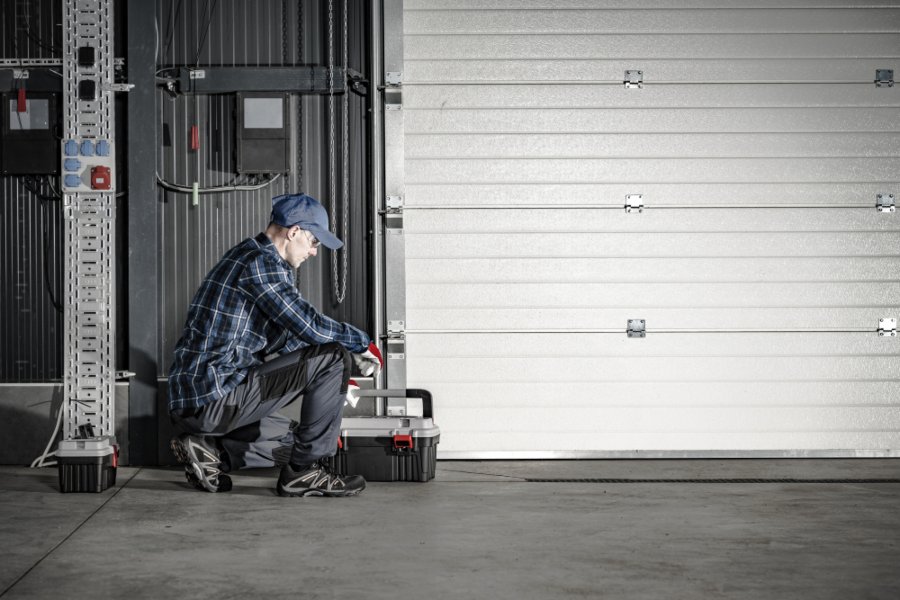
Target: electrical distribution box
262, 133
28, 143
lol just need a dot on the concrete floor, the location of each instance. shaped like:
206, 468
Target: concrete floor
478, 531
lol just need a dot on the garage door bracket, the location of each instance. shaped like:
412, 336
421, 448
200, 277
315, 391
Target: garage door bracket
637, 328
884, 78
634, 79
885, 203
887, 327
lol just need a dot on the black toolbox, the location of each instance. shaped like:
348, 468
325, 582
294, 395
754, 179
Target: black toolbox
397, 443
87, 464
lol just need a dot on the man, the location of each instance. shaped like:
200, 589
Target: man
222, 394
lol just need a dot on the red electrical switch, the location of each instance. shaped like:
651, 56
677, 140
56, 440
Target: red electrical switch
101, 178
21, 106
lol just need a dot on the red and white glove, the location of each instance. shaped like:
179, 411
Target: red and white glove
352, 398
370, 361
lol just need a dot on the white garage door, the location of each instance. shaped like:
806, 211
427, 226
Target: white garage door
753, 144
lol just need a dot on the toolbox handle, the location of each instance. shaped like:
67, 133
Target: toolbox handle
402, 442
424, 395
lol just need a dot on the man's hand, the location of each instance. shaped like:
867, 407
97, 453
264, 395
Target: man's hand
352, 399
370, 361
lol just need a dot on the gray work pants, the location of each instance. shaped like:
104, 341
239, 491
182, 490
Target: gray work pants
244, 424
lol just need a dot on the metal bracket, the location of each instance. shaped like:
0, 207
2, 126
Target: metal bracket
887, 327
20, 73
884, 78
393, 79
396, 340
394, 205
117, 87
634, 79
634, 203
637, 328
885, 203
196, 74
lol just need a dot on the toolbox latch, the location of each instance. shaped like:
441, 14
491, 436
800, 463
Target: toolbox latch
403, 442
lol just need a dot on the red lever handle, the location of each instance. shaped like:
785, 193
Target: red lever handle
403, 441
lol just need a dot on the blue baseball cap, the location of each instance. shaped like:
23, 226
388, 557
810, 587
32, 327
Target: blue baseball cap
307, 212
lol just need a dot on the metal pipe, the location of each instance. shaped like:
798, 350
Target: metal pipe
376, 137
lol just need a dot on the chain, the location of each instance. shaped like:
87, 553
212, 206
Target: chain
299, 187
284, 44
336, 288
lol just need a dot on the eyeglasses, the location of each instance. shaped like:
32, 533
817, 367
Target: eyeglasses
313, 242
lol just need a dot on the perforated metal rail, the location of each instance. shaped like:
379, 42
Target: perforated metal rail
88, 151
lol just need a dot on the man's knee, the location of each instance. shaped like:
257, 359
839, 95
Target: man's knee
342, 357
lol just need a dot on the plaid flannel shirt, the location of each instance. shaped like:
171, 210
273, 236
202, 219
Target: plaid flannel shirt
246, 309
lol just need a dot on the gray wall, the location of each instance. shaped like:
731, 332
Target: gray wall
264, 34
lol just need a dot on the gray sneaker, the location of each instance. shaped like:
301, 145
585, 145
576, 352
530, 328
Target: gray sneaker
202, 466
318, 480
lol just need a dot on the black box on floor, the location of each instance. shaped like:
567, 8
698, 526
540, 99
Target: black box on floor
399, 443
87, 465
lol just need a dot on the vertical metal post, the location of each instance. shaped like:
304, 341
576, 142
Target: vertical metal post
376, 137
89, 158
144, 320
394, 182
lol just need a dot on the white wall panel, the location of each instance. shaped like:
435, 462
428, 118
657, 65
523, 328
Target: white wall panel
758, 143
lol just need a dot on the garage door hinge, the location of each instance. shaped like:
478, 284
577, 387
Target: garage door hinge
637, 328
396, 330
396, 340
884, 78
885, 203
394, 205
634, 203
887, 327
634, 79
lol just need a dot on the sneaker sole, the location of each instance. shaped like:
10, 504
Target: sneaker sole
316, 492
193, 471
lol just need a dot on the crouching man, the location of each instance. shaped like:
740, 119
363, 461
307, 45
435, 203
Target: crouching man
224, 398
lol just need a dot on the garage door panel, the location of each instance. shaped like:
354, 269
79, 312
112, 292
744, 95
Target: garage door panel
656, 145
657, 71
535, 346
687, 419
566, 96
494, 371
779, 319
673, 170
523, 220
461, 194
651, 21
577, 395
634, 270
460, 443
473, 7
642, 295
649, 120
519, 104
511, 49
671, 245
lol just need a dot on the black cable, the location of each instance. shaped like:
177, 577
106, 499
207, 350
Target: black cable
206, 30
33, 185
171, 34
52, 47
